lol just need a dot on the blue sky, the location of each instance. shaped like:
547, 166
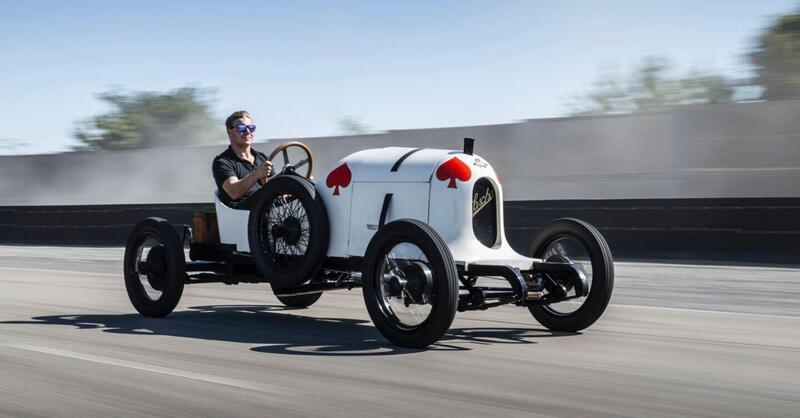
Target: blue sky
299, 67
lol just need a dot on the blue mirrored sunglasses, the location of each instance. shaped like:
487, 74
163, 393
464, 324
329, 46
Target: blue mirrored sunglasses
241, 128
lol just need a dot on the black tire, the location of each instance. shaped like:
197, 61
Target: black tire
440, 290
299, 301
279, 226
602, 273
154, 267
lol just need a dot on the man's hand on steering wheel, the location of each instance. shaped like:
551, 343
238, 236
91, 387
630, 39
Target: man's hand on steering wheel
264, 170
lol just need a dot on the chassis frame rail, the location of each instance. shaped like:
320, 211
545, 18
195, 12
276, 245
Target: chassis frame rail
536, 286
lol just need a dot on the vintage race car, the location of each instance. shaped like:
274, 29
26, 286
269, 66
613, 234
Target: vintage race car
419, 230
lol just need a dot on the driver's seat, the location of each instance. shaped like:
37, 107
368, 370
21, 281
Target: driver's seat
232, 224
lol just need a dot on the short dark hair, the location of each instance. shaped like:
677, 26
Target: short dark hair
235, 115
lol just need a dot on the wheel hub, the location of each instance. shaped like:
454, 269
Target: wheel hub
396, 286
289, 230
574, 278
156, 267
413, 282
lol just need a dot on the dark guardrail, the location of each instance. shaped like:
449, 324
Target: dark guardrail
85, 225
749, 230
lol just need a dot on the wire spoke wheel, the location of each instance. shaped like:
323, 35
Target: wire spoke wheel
285, 232
288, 231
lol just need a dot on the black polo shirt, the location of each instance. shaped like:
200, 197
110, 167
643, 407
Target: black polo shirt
229, 164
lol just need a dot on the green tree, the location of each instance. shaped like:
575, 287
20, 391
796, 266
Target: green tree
777, 59
151, 119
701, 88
653, 86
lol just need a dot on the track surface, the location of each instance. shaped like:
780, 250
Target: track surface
71, 345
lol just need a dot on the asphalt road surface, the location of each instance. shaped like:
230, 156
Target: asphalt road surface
678, 340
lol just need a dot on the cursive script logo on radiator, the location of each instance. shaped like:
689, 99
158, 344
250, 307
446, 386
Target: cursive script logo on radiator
479, 202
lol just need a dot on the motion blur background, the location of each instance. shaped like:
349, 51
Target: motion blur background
671, 126
317, 68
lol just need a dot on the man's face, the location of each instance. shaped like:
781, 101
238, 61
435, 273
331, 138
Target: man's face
241, 138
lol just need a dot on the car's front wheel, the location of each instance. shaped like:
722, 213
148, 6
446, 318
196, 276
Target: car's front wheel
410, 283
580, 244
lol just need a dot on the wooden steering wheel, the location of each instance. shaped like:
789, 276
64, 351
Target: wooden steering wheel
294, 163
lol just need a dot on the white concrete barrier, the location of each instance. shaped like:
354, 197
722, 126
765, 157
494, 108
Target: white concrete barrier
739, 150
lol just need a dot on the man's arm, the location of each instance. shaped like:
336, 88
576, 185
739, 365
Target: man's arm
237, 187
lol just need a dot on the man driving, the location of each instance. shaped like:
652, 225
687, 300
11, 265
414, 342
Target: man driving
240, 171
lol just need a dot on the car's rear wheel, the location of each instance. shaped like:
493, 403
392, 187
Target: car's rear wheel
299, 301
288, 231
154, 267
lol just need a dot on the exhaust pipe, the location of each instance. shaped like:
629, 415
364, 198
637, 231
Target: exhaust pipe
469, 146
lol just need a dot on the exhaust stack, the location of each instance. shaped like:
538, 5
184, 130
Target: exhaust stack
469, 146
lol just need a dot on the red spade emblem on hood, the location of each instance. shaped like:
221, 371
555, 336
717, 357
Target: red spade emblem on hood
453, 169
340, 177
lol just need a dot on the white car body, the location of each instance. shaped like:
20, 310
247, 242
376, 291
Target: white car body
354, 193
